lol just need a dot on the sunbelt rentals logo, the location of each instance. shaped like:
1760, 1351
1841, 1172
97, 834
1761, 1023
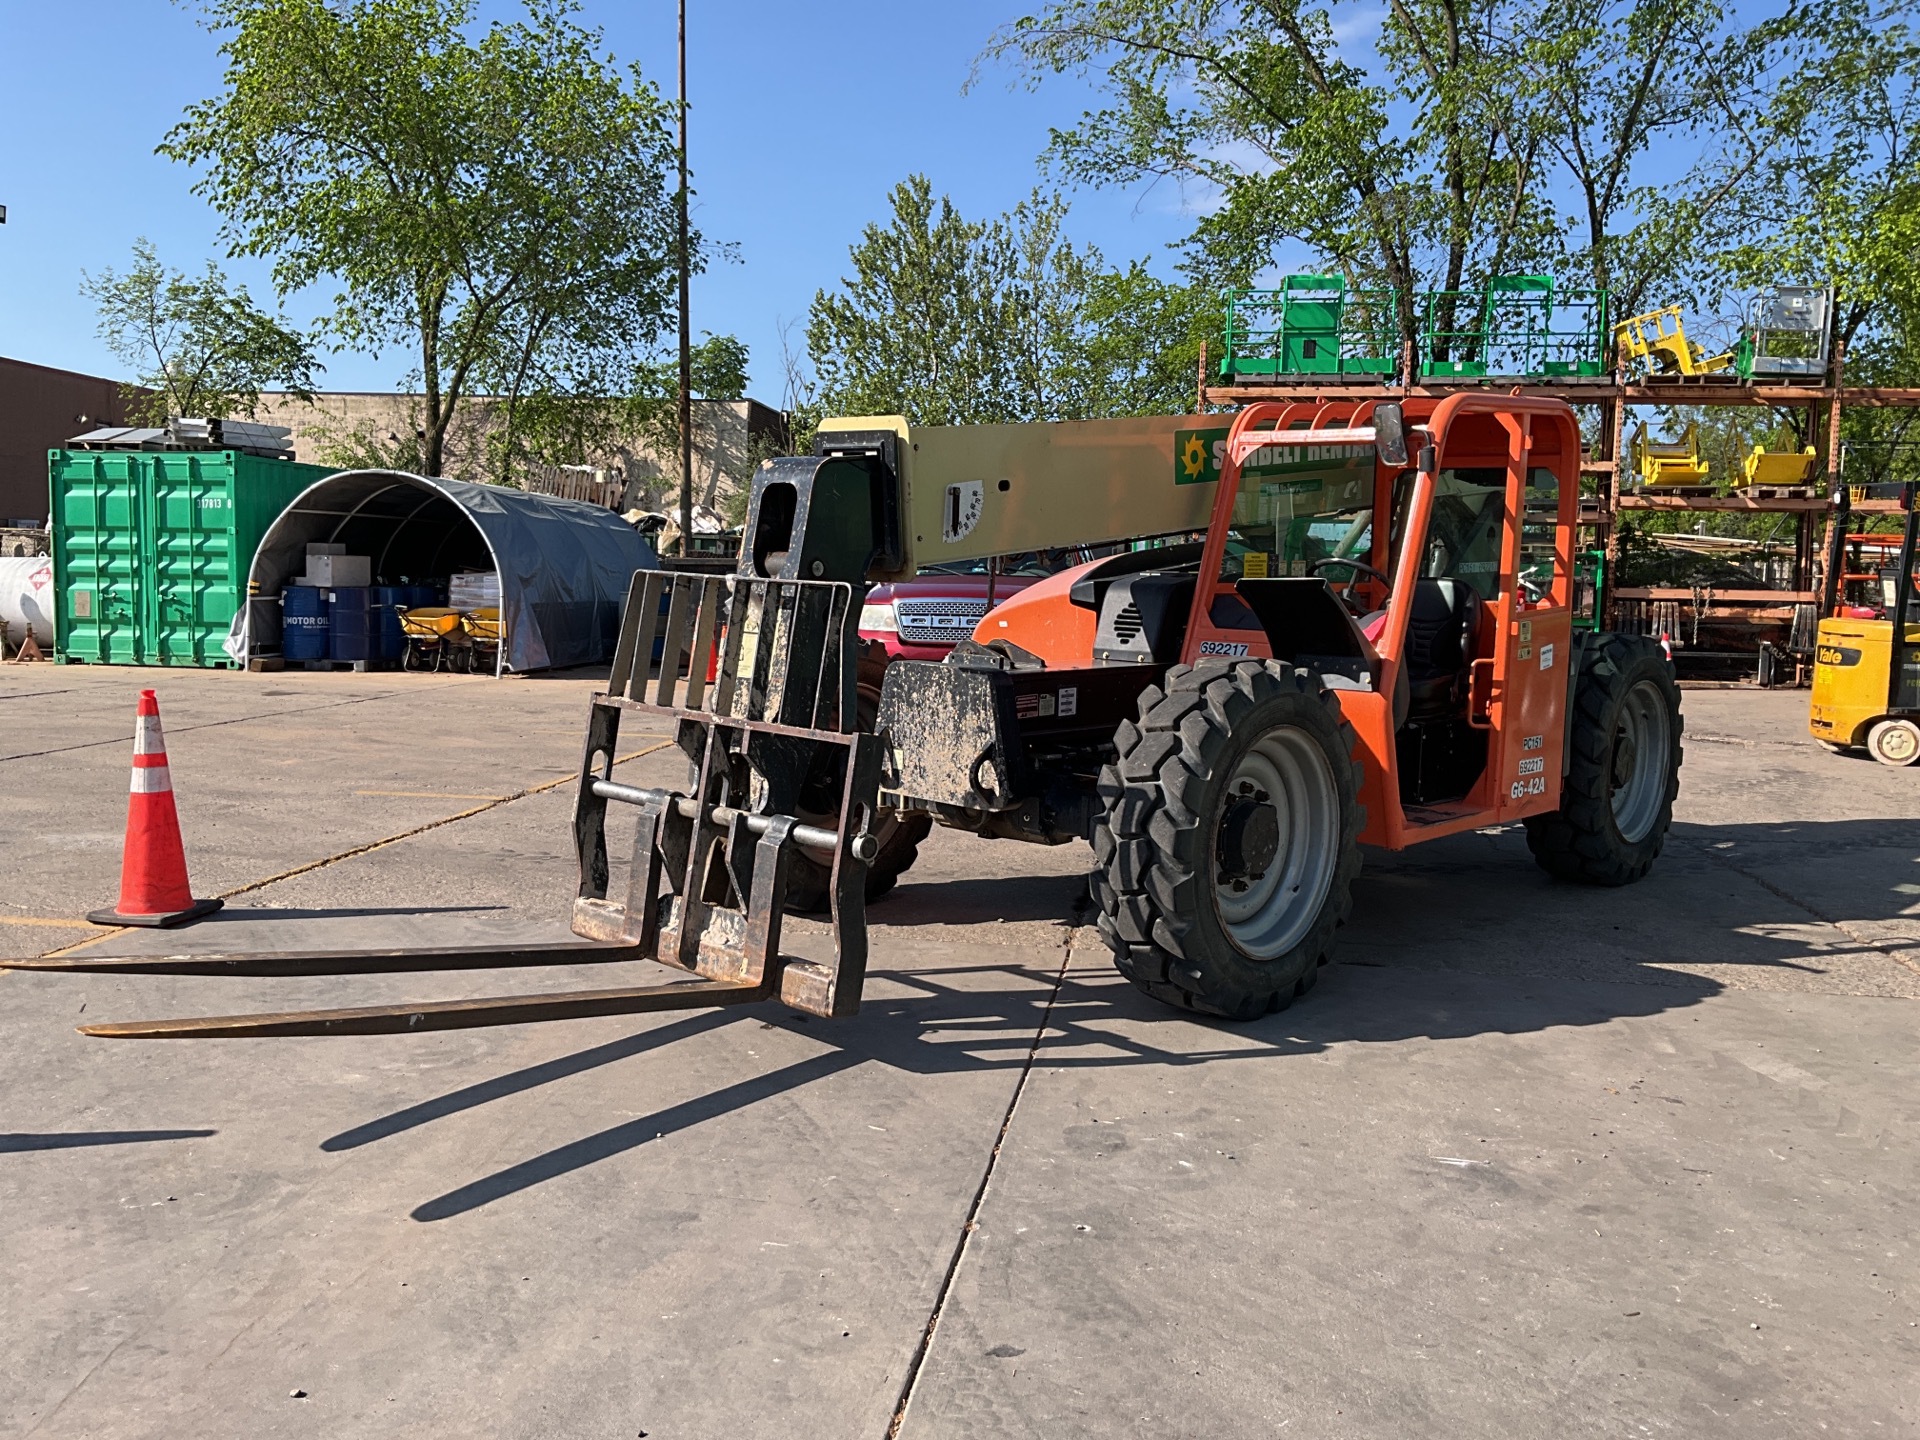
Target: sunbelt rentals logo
1197, 455
1200, 455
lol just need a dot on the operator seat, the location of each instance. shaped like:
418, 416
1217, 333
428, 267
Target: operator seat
1431, 682
1441, 625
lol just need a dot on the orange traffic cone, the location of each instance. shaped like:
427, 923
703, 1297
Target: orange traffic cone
153, 867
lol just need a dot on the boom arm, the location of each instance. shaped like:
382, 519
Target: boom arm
968, 492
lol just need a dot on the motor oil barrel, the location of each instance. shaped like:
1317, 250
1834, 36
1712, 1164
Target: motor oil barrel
303, 622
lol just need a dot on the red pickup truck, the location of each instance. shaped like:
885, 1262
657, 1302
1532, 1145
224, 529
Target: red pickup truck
923, 618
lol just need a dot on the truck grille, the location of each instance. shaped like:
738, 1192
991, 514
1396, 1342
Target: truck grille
938, 622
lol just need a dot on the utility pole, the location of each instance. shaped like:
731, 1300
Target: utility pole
686, 331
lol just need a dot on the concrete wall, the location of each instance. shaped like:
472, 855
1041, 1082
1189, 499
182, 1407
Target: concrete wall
724, 434
40, 410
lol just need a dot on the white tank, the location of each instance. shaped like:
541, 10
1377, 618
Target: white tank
26, 598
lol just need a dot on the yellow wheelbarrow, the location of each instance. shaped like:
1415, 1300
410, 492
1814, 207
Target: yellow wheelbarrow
483, 632
429, 632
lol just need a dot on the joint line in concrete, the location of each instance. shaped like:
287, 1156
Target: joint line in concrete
1895, 952
960, 1245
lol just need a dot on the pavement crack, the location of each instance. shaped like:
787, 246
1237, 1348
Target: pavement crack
370, 846
967, 1228
1899, 954
127, 739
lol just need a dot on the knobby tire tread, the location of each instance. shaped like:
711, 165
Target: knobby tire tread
1580, 841
1152, 843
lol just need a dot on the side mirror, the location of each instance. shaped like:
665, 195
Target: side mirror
1390, 435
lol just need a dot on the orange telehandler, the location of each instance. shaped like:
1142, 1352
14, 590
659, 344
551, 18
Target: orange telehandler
1315, 627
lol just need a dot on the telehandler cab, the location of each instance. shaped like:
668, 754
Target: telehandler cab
1356, 628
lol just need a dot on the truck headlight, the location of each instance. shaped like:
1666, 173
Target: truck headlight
879, 617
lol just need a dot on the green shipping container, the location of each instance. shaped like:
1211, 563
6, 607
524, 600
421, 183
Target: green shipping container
151, 549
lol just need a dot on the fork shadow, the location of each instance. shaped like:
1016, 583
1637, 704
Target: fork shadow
13, 1143
957, 1019
241, 913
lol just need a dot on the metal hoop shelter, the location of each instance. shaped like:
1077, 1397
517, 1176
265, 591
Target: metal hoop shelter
565, 566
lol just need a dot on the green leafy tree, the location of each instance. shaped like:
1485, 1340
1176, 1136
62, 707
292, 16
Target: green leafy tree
1440, 165
951, 321
947, 320
1610, 86
1842, 194
497, 203
1252, 100
1839, 202
596, 419
197, 346
1143, 339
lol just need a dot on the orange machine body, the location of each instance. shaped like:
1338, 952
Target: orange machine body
1523, 647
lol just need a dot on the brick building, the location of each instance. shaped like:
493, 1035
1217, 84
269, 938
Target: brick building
42, 408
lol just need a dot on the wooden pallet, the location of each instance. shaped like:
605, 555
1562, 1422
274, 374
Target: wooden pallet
1779, 492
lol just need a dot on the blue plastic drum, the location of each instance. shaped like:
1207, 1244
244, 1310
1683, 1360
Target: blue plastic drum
388, 641
349, 622
303, 622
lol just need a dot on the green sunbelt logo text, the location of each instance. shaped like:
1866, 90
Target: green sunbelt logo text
1199, 455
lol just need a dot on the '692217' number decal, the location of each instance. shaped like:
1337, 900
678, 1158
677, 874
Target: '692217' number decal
1222, 647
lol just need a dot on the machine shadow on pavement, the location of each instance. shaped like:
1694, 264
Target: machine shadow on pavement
1812, 839
957, 1019
1411, 917
1422, 959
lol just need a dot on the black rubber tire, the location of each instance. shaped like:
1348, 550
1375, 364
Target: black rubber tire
899, 832
1153, 845
1581, 841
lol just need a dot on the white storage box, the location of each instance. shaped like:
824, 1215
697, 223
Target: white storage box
473, 589
328, 571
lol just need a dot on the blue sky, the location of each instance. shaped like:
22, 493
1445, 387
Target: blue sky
804, 115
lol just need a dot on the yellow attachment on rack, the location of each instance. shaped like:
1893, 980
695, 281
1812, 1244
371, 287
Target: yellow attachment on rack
1776, 467
1659, 342
482, 624
1669, 462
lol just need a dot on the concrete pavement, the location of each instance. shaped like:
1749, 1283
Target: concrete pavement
1532, 1160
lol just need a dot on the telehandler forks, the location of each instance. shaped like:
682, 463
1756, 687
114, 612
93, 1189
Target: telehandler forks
707, 887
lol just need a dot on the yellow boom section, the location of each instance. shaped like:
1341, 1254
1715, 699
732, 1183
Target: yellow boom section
977, 490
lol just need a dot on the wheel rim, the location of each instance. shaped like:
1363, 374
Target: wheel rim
1896, 742
1268, 914
1642, 750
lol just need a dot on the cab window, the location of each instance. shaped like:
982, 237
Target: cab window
1541, 563
1464, 533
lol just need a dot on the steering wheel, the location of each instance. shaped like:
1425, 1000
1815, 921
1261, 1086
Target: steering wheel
1359, 567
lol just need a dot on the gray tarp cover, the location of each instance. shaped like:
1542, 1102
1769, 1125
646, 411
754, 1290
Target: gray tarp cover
565, 566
